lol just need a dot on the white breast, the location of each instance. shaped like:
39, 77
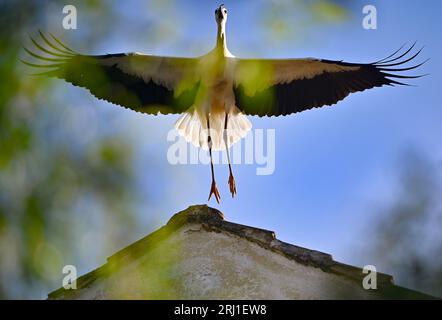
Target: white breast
215, 100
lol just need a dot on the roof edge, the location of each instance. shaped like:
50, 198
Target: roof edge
212, 220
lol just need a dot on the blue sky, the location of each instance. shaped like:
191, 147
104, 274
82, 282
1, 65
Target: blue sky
335, 166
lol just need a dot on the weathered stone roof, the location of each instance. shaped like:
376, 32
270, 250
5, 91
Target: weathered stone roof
212, 220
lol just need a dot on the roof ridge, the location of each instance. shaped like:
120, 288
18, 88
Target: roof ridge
212, 220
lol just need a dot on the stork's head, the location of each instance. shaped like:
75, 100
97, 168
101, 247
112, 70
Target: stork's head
221, 14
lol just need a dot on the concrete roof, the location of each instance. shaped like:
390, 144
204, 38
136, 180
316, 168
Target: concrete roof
212, 220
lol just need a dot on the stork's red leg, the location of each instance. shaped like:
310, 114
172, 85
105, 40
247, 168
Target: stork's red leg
232, 184
213, 188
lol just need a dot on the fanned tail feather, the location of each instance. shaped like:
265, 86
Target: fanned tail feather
193, 127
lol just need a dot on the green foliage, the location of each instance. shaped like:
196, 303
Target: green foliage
407, 240
291, 20
52, 191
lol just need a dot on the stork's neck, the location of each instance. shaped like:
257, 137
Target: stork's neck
221, 41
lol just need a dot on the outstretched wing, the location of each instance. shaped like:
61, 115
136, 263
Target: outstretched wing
144, 83
282, 87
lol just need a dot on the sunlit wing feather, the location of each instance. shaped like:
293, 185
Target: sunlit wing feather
144, 83
282, 87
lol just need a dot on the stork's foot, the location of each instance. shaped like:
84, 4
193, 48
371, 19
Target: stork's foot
232, 185
214, 191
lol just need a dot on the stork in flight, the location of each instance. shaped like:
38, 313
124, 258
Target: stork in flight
214, 93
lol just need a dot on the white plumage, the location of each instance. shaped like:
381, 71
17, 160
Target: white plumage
193, 128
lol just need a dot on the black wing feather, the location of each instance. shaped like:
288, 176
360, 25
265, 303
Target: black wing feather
110, 83
324, 89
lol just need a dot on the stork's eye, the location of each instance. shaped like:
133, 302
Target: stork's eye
225, 11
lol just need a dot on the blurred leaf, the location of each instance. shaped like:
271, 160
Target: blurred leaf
47, 180
328, 11
406, 240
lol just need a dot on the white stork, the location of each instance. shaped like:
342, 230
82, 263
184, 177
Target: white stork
215, 92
